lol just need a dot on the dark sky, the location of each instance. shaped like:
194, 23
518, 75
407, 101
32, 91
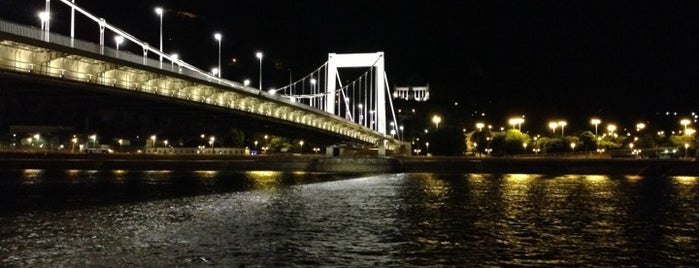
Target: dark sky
557, 58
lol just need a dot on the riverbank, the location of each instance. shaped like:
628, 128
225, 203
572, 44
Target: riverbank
320, 163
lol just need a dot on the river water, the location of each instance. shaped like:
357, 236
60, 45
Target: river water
272, 219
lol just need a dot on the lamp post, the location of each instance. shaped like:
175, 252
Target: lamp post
562, 124
118, 40
160, 12
153, 137
218, 38
686, 147
300, 146
212, 140
685, 122
436, 120
246, 82
259, 56
525, 147
595, 121
480, 126
553, 126
44, 18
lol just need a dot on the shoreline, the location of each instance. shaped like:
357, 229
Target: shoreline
353, 164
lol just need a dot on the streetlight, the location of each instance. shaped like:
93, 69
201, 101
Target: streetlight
212, 140
686, 147
246, 82
562, 124
572, 146
401, 132
301, 146
218, 37
685, 122
436, 120
525, 147
516, 121
611, 128
153, 137
259, 56
159, 11
75, 141
480, 126
640, 126
427, 147
44, 18
595, 121
118, 40
93, 137
553, 126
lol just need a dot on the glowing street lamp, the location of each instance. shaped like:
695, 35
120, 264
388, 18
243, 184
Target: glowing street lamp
259, 56
611, 128
160, 12
480, 126
553, 126
685, 122
640, 126
218, 38
516, 121
118, 40
525, 147
75, 141
572, 146
212, 140
246, 82
436, 120
153, 137
595, 121
562, 124
686, 148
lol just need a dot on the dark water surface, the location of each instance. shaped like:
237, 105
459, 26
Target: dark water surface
271, 219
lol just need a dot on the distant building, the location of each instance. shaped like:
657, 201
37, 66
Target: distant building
412, 93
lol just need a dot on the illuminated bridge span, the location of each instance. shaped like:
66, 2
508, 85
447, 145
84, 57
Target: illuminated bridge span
318, 102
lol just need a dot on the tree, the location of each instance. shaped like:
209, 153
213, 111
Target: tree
509, 142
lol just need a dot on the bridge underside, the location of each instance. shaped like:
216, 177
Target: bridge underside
37, 100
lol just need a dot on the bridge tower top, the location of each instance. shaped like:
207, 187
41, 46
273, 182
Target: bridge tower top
350, 60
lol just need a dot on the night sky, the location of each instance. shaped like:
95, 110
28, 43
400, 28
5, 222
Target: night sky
624, 59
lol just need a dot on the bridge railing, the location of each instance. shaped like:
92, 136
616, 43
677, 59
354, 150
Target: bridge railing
179, 67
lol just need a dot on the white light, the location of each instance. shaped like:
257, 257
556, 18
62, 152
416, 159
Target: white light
217, 36
159, 10
246, 82
258, 55
119, 39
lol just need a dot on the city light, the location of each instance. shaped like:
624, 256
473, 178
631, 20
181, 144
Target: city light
595, 121
218, 38
259, 56
436, 120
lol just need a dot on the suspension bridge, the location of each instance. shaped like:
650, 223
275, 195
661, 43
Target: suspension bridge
319, 102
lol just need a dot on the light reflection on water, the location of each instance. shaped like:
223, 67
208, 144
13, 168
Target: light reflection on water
263, 219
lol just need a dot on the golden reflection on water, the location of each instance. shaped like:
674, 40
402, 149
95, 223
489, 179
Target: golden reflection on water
265, 180
685, 180
32, 176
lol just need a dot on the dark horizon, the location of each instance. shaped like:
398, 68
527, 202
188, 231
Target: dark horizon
573, 59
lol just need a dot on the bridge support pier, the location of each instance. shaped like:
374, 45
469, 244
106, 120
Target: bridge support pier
382, 148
